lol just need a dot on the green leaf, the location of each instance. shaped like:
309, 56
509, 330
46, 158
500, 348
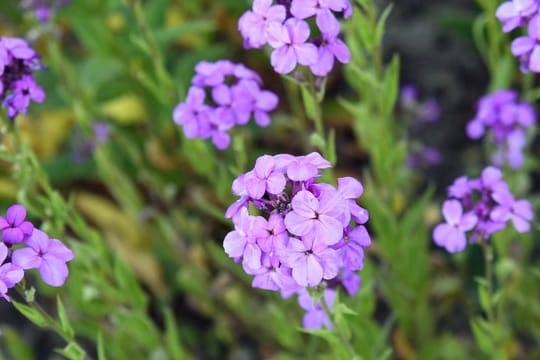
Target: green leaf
64, 320
310, 102
317, 141
31, 314
390, 86
482, 335
100, 347
73, 351
483, 298
381, 24
15, 346
172, 338
331, 147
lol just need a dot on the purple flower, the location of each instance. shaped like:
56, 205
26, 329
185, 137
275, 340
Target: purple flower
322, 9
47, 255
235, 96
44, 9
9, 273
518, 211
483, 206
253, 25
242, 242
516, 13
305, 232
330, 48
505, 120
310, 261
23, 91
451, 235
17, 87
304, 168
274, 235
264, 178
351, 281
273, 275
351, 247
289, 42
316, 218
193, 114
315, 316
14, 227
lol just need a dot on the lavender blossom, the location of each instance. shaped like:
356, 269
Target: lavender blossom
305, 232
223, 95
17, 86
44, 10
506, 121
47, 255
283, 25
25, 247
478, 208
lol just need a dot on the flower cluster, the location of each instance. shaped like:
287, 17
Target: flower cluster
306, 232
223, 94
517, 13
481, 206
18, 61
44, 9
282, 24
23, 247
506, 118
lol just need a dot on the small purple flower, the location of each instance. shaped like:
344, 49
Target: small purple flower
14, 227
322, 9
242, 242
331, 48
310, 261
290, 47
235, 95
315, 316
47, 255
451, 235
9, 273
253, 25
505, 120
519, 212
351, 247
317, 218
18, 61
516, 13
307, 167
44, 9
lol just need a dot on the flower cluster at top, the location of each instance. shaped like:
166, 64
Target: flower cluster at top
517, 13
282, 24
506, 118
304, 232
44, 9
223, 94
18, 61
482, 207
23, 247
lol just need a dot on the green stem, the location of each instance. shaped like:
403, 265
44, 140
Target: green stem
51, 322
488, 266
351, 353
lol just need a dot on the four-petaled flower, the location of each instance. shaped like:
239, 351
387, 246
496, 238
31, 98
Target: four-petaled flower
14, 227
47, 255
451, 235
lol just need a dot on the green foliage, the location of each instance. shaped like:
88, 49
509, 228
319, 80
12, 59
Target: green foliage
144, 212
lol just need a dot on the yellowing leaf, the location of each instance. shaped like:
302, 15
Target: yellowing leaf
126, 236
46, 133
125, 109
